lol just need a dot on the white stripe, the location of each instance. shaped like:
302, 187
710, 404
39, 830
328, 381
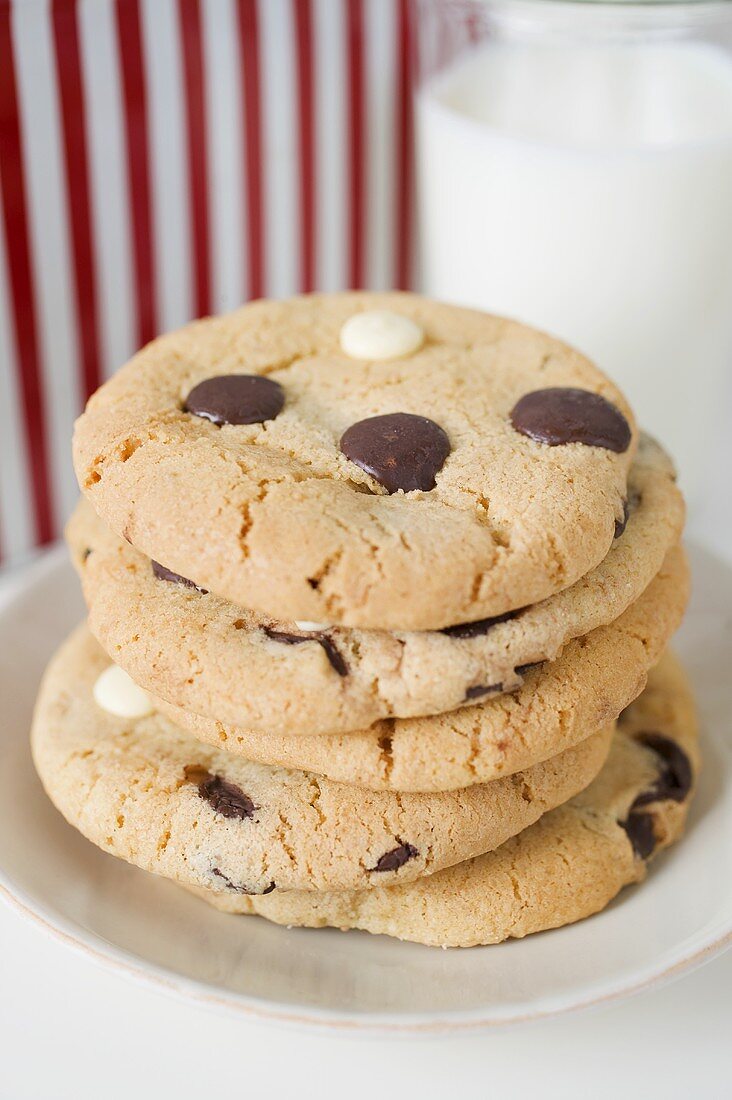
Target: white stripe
163, 67
50, 249
16, 519
380, 32
414, 268
227, 188
281, 148
330, 128
109, 192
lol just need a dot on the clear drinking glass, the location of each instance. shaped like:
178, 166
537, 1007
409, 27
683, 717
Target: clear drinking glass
575, 171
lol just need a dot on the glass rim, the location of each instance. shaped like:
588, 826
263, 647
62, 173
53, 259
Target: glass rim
643, 4
617, 17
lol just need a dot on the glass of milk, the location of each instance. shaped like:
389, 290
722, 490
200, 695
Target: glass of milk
575, 171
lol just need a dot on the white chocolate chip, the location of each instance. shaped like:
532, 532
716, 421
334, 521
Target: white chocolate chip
117, 693
305, 624
380, 334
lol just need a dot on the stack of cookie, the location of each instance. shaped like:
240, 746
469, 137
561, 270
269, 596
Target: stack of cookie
375, 587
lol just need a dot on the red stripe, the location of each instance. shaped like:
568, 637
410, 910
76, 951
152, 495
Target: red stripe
25, 332
195, 110
356, 120
251, 87
78, 191
474, 26
306, 111
137, 142
404, 156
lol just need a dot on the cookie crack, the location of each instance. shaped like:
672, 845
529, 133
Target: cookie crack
315, 796
316, 579
284, 828
519, 899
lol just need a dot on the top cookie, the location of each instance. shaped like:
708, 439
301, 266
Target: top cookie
279, 457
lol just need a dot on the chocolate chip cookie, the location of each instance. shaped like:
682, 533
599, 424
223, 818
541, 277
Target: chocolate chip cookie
413, 483
153, 795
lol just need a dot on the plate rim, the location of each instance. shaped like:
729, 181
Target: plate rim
109, 956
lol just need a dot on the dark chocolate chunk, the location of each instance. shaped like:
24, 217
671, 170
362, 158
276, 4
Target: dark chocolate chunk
621, 524
639, 827
629, 505
285, 638
479, 626
85, 553
236, 399
399, 450
236, 887
567, 415
673, 783
396, 858
222, 796
482, 689
521, 670
164, 574
675, 776
332, 652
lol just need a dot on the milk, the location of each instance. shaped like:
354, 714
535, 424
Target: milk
588, 191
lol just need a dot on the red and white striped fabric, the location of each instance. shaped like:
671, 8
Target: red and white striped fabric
164, 159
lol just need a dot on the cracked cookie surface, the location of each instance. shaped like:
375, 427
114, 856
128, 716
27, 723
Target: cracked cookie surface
151, 794
588, 685
567, 866
208, 656
510, 519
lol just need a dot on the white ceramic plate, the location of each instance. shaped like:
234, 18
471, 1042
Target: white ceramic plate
155, 932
